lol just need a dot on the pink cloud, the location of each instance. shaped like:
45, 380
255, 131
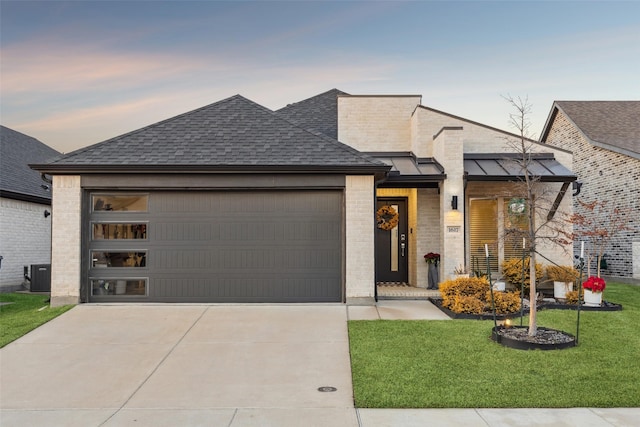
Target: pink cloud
43, 66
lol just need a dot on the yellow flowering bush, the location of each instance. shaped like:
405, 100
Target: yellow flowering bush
512, 271
506, 302
571, 297
472, 295
453, 291
468, 286
467, 304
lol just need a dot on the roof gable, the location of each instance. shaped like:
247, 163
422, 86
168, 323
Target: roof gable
234, 133
614, 125
17, 179
318, 113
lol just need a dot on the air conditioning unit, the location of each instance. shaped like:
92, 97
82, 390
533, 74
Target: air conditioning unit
40, 277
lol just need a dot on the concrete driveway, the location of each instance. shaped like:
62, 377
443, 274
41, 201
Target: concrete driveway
179, 365
221, 365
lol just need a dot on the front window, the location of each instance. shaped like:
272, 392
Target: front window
500, 224
515, 226
483, 230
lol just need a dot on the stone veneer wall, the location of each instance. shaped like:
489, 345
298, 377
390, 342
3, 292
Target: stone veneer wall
359, 236
25, 239
605, 175
66, 240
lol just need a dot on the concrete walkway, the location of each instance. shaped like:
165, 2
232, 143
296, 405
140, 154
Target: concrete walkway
220, 365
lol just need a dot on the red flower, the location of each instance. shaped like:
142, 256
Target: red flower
432, 257
594, 284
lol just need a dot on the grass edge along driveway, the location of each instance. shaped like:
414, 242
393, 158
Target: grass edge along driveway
454, 363
25, 313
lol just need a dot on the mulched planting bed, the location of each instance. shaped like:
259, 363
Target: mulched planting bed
544, 305
559, 305
517, 337
483, 316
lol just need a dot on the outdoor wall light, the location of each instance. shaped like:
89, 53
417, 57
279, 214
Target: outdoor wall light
454, 203
46, 213
577, 186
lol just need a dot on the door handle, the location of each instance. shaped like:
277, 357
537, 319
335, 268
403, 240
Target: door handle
402, 245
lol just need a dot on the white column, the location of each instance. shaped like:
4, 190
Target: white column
448, 151
360, 245
66, 240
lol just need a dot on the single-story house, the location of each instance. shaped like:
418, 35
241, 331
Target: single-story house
25, 206
316, 202
604, 137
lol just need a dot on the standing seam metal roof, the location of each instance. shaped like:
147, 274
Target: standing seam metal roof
508, 167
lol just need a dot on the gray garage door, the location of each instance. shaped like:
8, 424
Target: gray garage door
237, 246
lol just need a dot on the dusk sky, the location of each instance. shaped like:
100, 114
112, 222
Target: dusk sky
79, 72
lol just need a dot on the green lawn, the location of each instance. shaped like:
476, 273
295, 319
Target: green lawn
454, 363
27, 312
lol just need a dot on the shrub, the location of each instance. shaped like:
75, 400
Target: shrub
462, 287
505, 302
472, 295
571, 297
467, 304
562, 273
512, 271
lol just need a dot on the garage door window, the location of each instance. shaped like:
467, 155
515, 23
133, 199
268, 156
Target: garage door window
120, 203
118, 286
118, 259
115, 231
118, 245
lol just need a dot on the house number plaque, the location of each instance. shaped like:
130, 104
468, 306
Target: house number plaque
453, 228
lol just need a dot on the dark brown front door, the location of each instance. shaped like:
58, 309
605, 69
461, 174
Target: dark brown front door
392, 245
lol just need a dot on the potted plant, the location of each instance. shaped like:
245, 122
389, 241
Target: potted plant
598, 226
563, 277
499, 285
432, 259
461, 271
593, 288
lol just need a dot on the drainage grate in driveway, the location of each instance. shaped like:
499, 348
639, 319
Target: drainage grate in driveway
327, 389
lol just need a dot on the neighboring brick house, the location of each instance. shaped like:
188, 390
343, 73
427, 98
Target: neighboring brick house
316, 202
604, 137
25, 206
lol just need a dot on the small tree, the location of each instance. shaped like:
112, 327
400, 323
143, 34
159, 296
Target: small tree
538, 197
598, 224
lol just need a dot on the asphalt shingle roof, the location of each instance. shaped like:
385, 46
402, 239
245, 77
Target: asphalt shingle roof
318, 113
233, 133
615, 123
17, 151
